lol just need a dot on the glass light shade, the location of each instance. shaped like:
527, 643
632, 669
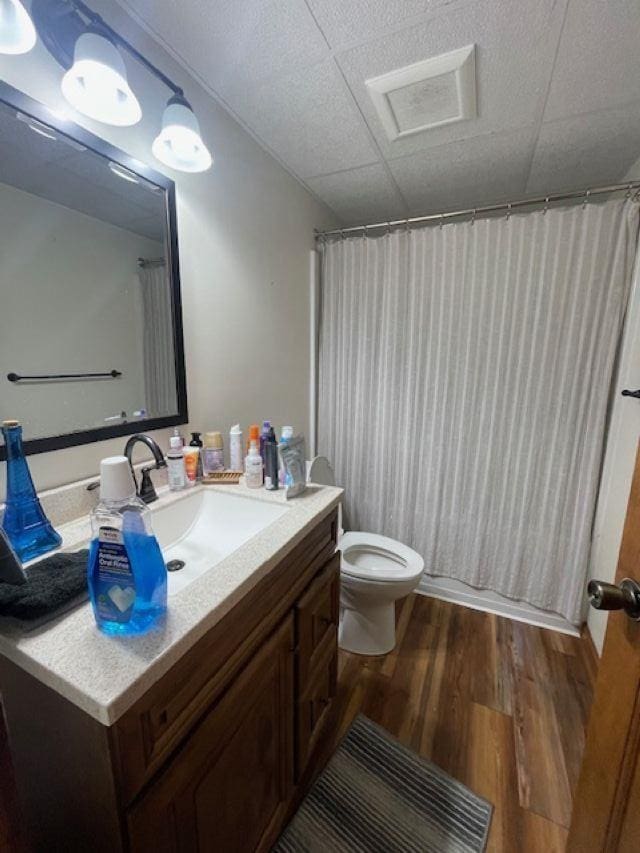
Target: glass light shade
17, 33
96, 84
179, 144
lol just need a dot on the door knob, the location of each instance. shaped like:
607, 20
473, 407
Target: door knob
608, 596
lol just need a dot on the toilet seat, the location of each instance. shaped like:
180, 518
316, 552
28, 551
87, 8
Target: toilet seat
371, 557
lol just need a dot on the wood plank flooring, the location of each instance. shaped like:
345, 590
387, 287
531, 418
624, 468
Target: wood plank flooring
500, 705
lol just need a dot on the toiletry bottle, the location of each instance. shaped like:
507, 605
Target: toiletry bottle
196, 441
264, 437
213, 452
126, 575
271, 461
235, 448
286, 436
28, 528
191, 456
176, 473
254, 435
178, 434
253, 467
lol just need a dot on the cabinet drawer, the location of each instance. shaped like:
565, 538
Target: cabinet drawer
314, 702
318, 612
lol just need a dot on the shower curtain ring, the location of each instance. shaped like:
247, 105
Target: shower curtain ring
387, 229
508, 211
546, 205
628, 193
587, 193
441, 221
473, 216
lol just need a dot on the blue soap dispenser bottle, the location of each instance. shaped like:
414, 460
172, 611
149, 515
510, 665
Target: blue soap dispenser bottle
127, 576
25, 523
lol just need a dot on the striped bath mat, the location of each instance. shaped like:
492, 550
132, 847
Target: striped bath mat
377, 796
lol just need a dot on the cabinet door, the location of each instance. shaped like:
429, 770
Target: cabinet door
228, 788
317, 660
318, 612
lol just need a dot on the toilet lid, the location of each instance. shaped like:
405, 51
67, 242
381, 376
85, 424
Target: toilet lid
321, 472
372, 557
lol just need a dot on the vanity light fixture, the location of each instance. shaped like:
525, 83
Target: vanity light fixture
95, 79
17, 33
179, 144
96, 84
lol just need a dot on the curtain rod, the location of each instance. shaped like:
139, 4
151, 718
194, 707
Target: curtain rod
507, 206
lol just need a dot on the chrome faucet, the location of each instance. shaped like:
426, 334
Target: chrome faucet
146, 490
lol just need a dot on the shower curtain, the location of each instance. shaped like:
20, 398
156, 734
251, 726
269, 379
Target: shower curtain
157, 339
464, 374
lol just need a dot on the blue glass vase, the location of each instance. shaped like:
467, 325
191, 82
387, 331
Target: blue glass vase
25, 523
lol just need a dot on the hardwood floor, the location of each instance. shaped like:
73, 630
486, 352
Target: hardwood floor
500, 705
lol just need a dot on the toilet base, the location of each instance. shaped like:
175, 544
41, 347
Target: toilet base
370, 630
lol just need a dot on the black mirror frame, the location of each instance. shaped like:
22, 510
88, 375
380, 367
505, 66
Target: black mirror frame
17, 100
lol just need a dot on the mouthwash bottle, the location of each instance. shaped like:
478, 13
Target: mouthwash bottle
127, 575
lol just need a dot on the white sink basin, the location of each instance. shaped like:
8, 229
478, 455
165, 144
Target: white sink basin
203, 528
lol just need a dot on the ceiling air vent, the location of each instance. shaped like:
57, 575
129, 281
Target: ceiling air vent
437, 91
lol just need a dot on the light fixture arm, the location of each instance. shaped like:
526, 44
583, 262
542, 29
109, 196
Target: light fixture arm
51, 16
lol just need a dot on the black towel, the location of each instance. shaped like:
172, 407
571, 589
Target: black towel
54, 585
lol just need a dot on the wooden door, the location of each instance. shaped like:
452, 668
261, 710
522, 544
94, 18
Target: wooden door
228, 789
606, 815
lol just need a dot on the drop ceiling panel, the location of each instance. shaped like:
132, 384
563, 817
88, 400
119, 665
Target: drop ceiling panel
294, 72
236, 41
360, 195
598, 63
586, 150
515, 48
466, 173
308, 120
347, 21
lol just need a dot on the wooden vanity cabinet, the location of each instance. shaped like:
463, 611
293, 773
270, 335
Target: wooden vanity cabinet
212, 756
229, 787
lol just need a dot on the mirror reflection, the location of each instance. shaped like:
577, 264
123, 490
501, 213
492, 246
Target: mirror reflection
85, 286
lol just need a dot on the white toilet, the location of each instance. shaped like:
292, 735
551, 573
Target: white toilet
374, 572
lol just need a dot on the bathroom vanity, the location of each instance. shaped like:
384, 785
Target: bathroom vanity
202, 735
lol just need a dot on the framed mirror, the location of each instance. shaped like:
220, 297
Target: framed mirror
91, 343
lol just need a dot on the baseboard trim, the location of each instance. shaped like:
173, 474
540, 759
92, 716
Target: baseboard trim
491, 602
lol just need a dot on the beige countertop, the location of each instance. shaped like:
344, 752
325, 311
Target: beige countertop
105, 675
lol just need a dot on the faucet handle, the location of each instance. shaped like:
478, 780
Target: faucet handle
147, 490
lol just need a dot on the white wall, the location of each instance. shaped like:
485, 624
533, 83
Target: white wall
634, 172
245, 230
64, 274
